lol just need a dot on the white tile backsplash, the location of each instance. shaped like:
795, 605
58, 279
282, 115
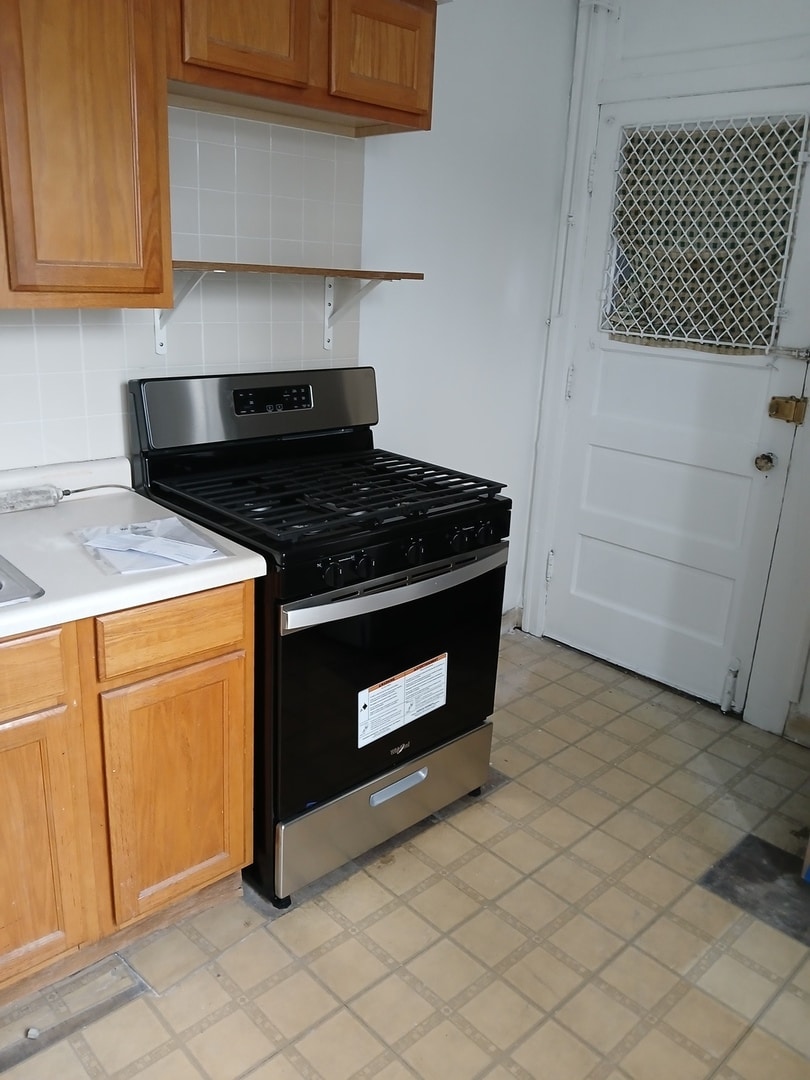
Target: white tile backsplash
241, 191
253, 170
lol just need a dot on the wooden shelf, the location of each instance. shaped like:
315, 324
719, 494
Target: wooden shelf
198, 270
312, 271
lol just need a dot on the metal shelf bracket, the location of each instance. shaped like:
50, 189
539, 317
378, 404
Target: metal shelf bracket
331, 314
163, 315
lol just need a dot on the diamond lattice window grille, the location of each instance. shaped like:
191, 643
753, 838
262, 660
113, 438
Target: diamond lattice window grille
700, 238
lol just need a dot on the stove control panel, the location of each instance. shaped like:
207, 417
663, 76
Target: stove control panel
396, 550
476, 534
268, 399
347, 569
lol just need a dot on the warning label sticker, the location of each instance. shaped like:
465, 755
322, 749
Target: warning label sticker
397, 701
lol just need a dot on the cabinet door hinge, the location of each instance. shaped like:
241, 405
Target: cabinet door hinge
591, 171
549, 565
569, 383
729, 686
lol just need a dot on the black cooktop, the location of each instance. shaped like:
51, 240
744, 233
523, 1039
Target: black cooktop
329, 497
285, 462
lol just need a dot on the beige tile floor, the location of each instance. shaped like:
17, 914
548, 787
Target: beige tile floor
551, 929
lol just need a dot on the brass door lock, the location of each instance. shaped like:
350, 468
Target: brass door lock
790, 409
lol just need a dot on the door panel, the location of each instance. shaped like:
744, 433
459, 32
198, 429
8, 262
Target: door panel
665, 528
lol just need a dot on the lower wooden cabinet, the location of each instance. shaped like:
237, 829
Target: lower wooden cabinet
126, 766
174, 752
46, 892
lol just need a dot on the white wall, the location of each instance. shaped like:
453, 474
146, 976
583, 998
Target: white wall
241, 191
474, 204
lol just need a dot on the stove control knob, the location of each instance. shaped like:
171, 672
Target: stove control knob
415, 551
458, 539
363, 566
333, 574
484, 533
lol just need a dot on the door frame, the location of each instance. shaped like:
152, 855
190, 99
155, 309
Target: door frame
783, 644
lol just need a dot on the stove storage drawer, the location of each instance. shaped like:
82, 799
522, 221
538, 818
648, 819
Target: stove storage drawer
169, 632
318, 842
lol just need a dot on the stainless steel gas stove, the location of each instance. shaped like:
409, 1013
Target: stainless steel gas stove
378, 623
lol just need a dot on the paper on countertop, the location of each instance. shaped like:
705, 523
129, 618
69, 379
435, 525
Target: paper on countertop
147, 545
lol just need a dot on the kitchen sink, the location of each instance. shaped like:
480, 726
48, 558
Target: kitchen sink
15, 586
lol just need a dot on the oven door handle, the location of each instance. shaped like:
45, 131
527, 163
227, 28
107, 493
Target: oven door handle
316, 611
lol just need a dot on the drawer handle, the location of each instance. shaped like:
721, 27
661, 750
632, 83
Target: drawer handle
397, 788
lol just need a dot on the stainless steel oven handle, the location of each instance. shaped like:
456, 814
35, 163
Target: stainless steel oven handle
315, 611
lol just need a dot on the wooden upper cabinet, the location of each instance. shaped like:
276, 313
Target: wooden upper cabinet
368, 62
382, 52
84, 153
264, 40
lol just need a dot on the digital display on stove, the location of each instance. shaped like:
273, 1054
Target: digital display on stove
268, 399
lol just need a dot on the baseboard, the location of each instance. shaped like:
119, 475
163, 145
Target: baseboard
228, 888
797, 728
511, 619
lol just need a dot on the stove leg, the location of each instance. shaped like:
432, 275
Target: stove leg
476, 791
281, 902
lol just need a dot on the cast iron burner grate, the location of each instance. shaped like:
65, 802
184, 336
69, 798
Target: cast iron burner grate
327, 497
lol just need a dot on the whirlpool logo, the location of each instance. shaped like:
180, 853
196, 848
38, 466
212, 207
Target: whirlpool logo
398, 749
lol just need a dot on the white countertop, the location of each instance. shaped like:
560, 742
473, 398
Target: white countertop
41, 543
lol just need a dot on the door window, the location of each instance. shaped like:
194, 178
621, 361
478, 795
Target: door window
702, 223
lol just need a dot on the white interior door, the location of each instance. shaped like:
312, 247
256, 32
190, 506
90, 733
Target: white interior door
665, 527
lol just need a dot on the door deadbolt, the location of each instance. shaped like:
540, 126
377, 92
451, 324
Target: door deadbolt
765, 462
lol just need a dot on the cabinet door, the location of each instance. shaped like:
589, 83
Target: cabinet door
382, 52
252, 37
177, 771
84, 154
45, 891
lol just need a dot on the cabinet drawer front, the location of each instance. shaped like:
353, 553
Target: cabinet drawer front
169, 632
31, 674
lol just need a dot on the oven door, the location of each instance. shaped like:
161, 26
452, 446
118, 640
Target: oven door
367, 680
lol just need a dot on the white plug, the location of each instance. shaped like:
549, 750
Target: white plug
29, 498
